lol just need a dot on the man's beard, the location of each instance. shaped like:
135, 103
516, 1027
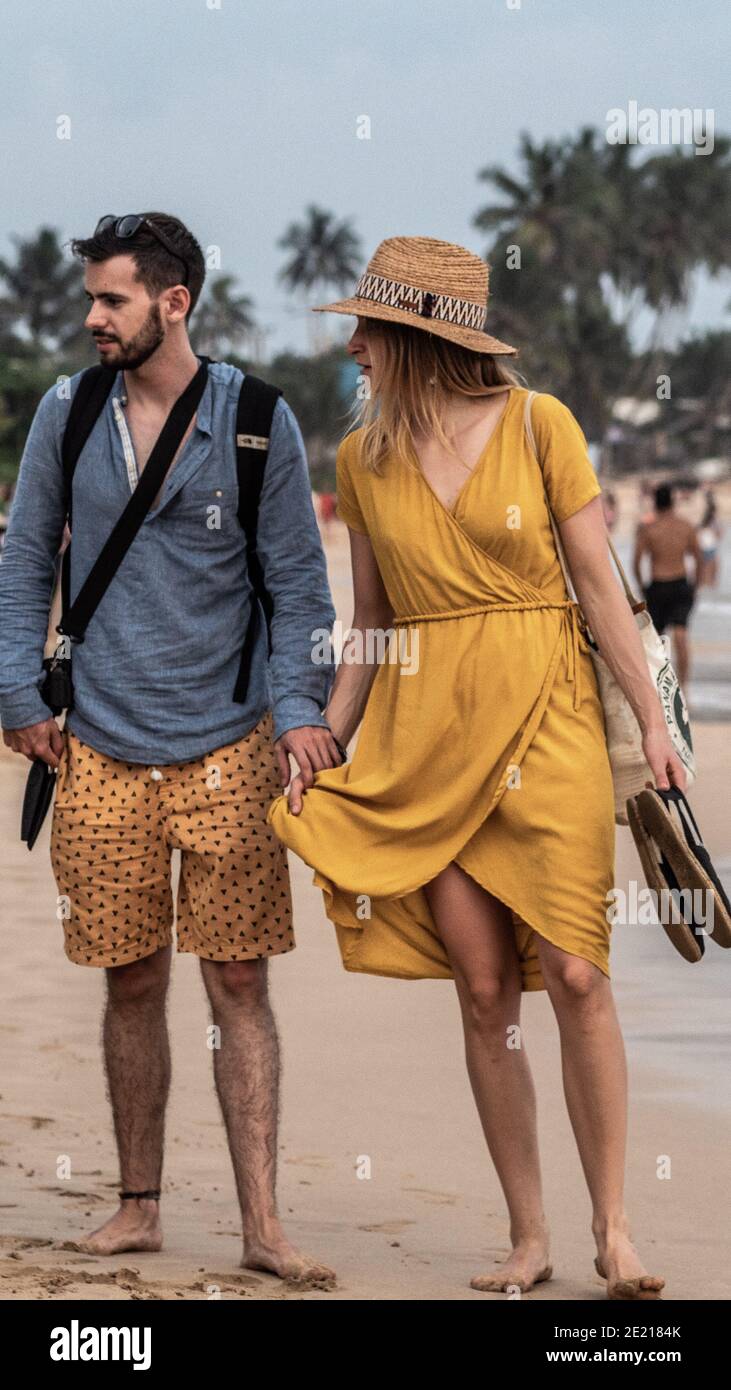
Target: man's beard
133, 353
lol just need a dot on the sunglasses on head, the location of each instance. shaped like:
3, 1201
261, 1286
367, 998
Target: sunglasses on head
129, 226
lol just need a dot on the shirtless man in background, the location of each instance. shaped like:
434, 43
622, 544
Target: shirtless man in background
667, 539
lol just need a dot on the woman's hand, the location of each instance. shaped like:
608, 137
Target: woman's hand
666, 766
314, 749
296, 791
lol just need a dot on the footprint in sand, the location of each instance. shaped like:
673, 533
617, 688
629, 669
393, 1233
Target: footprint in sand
389, 1228
435, 1198
310, 1161
35, 1121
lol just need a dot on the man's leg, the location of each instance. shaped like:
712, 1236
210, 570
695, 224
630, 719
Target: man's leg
112, 871
246, 1072
137, 1057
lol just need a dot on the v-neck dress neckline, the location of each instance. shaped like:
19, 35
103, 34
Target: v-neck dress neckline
477, 467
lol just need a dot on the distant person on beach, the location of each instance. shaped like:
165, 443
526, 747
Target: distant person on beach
472, 837
609, 503
5, 504
668, 541
646, 502
173, 740
327, 508
710, 534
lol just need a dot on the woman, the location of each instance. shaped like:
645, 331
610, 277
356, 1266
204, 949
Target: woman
710, 532
472, 835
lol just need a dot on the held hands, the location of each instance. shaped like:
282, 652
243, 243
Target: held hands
43, 740
662, 759
313, 748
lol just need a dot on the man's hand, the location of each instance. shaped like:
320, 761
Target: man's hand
37, 741
313, 749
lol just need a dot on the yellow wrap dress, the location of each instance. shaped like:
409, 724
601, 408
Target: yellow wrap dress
482, 740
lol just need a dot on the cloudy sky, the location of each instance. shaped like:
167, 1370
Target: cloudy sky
235, 114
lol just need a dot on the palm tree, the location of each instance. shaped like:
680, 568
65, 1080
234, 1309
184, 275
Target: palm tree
594, 227
45, 301
222, 320
325, 255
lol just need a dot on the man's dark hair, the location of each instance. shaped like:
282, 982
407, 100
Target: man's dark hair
156, 267
663, 497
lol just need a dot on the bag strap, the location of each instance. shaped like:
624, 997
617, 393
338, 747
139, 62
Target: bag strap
254, 414
255, 409
89, 400
75, 620
635, 603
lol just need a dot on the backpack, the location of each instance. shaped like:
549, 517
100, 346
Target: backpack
254, 412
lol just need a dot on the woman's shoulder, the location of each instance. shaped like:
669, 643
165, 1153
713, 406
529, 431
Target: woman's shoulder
546, 406
551, 416
348, 457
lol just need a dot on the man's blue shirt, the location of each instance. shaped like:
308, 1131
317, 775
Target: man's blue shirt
155, 675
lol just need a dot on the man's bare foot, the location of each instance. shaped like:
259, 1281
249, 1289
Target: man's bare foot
526, 1265
135, 1226
275, 1254
621, 1266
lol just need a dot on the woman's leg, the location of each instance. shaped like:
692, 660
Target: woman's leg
595, 1085
479, 939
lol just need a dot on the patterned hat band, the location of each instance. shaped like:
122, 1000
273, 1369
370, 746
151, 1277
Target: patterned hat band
446, 307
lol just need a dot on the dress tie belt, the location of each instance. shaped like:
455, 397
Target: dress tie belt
572, 628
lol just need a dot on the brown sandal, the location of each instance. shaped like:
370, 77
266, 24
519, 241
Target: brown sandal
632, 1288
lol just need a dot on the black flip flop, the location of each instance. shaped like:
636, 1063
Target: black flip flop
674, 857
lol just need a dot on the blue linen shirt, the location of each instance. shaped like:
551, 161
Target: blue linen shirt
155, 675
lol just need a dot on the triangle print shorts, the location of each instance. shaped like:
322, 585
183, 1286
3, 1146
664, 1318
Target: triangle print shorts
115, 825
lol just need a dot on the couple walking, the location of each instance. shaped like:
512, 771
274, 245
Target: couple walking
472, 835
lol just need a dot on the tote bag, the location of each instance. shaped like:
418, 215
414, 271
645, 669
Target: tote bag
630, 770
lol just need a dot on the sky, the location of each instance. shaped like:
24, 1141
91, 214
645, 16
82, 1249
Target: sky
236, 114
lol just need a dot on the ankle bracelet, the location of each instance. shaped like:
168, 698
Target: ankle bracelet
153, 1192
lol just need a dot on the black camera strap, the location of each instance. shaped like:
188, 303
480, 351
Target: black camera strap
255, 410
57, 685
75, 620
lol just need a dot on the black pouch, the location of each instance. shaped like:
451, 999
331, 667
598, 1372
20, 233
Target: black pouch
56, 688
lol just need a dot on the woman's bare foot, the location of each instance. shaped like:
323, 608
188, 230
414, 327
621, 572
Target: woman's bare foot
275, 1254
136, 1226
621, 1266
526, 1265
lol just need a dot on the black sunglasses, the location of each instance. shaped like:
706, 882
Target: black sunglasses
129, 226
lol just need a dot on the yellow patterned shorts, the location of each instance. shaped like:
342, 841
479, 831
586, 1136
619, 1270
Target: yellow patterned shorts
115, 825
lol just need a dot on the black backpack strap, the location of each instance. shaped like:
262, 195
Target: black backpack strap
87, 405
254, 413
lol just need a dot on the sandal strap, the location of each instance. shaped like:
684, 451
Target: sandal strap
151, 1192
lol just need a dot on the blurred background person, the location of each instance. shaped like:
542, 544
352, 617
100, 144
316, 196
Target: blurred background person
668, 540
609, 504
710, 533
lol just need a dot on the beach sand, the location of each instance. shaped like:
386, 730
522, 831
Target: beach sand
372, 1069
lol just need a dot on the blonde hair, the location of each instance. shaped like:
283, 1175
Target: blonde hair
417, 373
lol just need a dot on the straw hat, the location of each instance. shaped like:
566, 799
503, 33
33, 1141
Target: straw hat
429, 284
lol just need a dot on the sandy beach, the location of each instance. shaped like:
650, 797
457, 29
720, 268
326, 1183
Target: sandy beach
371, 1067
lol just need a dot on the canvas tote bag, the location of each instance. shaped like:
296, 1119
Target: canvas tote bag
630, 771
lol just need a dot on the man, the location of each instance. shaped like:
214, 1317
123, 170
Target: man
156, 754
667, 539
